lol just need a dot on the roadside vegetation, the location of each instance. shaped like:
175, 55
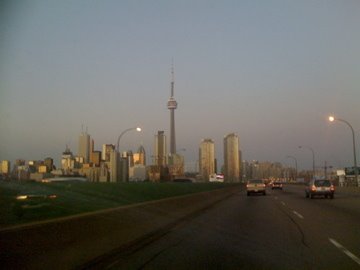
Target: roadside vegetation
23, 202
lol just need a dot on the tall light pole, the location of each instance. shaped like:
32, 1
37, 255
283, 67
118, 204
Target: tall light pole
296, 167
122, 133
332, 119
313, 157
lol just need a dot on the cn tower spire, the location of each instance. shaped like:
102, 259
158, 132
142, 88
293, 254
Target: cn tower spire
172, 105
172, 79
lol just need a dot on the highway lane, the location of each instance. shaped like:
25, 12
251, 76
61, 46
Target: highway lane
327, 224
282, 230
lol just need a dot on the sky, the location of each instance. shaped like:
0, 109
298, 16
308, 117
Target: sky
271, 71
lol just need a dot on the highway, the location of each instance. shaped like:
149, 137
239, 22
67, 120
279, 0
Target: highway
282, 230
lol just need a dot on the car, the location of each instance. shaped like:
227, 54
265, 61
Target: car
319, 187
277, 185
256, 186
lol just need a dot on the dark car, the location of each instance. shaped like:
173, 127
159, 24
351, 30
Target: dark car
319, 187
277, 185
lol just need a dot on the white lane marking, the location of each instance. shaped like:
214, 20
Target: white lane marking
343, 249
299, 215
283, 203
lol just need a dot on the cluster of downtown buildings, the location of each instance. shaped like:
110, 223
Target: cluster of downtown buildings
111, 165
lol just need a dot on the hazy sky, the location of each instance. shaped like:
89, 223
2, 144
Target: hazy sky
270, 71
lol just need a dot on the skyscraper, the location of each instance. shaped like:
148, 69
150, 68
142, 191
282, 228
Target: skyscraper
114, 166
84, 146
207, 158
172, 105
160, 149
106, 150
231, 158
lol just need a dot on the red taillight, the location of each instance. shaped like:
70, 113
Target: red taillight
332, 188
313, 188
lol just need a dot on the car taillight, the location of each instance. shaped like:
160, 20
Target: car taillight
313, 188
332, 188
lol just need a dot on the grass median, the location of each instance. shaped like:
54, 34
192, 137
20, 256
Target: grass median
23, 202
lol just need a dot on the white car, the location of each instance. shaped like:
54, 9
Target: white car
256, 186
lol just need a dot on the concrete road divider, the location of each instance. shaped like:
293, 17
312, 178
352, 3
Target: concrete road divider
75, 241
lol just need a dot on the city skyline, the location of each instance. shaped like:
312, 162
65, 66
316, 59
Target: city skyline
272, 72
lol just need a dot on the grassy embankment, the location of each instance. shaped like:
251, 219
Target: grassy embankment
75, 198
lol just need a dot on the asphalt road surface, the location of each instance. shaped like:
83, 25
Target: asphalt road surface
282, 230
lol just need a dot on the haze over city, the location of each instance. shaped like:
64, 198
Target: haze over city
270, 71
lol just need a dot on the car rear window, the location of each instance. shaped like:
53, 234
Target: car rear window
256, 181
322, 183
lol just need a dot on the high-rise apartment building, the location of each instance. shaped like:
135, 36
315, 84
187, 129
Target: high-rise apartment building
231, 158
160, 149
84, 147
207, 159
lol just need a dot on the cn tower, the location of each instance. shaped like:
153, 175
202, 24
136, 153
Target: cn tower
172, 105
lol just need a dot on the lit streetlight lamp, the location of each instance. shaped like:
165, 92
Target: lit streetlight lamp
332, 119
122, 133
313, 157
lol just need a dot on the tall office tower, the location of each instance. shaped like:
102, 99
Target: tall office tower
106, 150
231, 158
140, 156
160, 149
84, 147
114, 166
207, 159
172, 105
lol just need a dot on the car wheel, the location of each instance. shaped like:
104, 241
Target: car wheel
311, 196
306, 195
248, 193
264, 193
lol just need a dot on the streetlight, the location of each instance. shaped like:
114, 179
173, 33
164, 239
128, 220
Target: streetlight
122, 133
296, 168
332, 119
313, 157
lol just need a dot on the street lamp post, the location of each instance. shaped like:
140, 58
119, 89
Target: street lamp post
122, 133
313, 158
118, 169
332, 119
296, 167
